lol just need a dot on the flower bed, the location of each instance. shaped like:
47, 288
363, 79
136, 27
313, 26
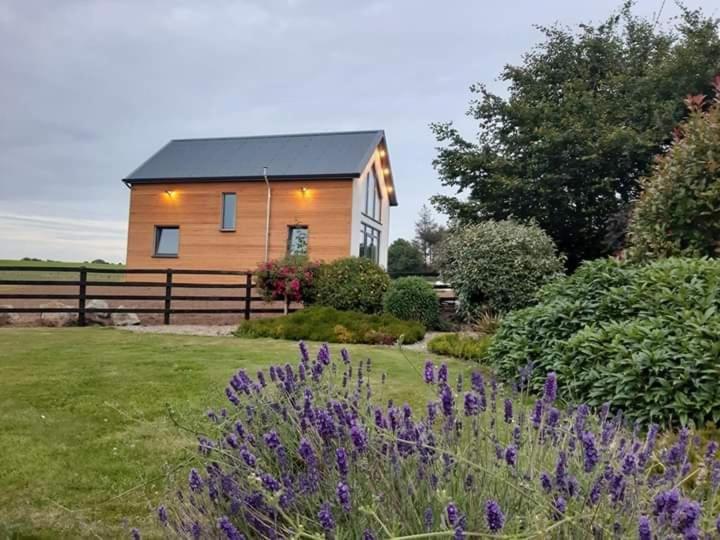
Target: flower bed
304, 451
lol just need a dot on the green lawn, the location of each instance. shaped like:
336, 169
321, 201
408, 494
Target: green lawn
55, 276
87, 446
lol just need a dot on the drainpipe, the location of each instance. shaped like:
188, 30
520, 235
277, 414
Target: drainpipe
267, 215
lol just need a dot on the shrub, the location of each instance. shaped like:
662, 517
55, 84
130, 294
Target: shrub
304, 450
413, 299
460, 346
328, 324
678, 213
498, 265
404, 258
636, 336
288, 279
351, 284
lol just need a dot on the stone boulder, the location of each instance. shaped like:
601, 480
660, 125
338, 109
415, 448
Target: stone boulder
97, 317
124, 319
7, 319
48, 318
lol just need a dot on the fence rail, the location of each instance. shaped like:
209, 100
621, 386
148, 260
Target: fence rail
245, 283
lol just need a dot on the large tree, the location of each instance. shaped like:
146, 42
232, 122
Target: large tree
404, 258
428, 234
585, 113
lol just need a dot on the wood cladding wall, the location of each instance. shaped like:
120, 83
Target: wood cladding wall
325, 208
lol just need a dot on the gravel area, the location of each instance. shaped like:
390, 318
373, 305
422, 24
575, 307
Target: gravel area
183, 329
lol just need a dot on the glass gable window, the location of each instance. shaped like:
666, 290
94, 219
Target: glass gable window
369, 243
373, 197
228, 211
297, 240
167, 241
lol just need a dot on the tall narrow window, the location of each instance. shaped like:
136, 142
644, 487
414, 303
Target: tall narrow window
167, 240
228, 211
373, 197
297, 240
369, 243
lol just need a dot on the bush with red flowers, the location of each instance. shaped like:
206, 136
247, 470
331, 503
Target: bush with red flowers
290, 279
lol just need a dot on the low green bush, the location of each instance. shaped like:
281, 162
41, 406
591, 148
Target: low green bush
460, 346
413, 299
640, 337
351, 284
333, 326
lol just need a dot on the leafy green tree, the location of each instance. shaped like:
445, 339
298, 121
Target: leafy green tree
428, 234
404, 258
586, 112
678, 213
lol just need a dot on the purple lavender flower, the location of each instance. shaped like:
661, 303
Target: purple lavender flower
194, 480
448, 400
428, 519
560, 505
685, 518
135, 533
325, 425
341, 461
508, 411
494, 517
247, 456
269, 482
717, 523
711, 450
472, 405
359, 437
580, 416
595, 491
628, 464
442, 375
272, 439
345, 355
273, 374
368, 535
429, 372
537, 414
644, 532
306, 452
232, 398
477, 382
561, 469
431, 411
452, 513
196, 530
546, 482
162, 514
459, 533
231, 533
325, 517
343, 495
511, 455
550, 394
553, 417
590, 453
261, 378
678, 451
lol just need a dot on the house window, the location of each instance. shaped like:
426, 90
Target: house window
167, 240
228, 211
373, 197
369, 243
297, 240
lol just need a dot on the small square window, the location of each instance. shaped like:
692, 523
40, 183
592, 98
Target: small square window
297, 240
167, 241
228, 211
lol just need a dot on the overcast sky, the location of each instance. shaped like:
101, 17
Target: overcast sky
89, 89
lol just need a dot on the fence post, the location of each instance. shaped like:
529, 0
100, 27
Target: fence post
81, 297
248, 292
168, 295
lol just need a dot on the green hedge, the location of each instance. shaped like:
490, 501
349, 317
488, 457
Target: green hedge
333, 326
351, 284
641, 337
413, 299
460, 346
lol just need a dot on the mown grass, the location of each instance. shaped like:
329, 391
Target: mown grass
87, 446
56, 276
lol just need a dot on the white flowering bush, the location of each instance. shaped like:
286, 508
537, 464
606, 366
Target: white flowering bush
497, 265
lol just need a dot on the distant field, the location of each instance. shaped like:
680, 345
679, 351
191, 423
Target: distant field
52, 275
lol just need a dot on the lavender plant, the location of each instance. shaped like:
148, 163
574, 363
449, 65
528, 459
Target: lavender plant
305, 451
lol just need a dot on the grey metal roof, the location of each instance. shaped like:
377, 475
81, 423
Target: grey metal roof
299, 156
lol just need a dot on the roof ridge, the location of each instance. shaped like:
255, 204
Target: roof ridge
275, 136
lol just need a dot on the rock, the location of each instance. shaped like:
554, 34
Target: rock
124, 319
48, 318
7, 319
97, 317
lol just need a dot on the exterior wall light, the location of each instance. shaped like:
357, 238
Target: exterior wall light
382, 153
304, 190
170, 193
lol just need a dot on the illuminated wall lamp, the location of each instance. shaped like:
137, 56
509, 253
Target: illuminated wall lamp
382, 153
304, 190
170, 193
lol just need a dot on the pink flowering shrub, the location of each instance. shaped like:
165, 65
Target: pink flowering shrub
291, 279
315, 449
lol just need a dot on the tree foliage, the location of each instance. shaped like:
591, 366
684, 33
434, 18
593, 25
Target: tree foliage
678, 213
404, 258
428, 235
586, 112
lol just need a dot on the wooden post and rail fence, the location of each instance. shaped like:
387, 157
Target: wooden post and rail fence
18, 289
